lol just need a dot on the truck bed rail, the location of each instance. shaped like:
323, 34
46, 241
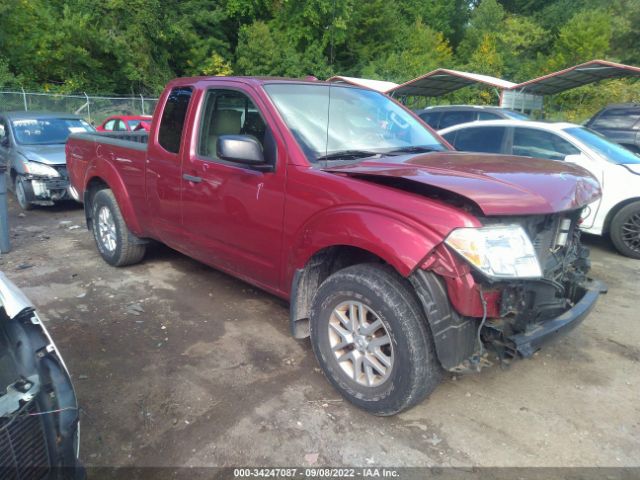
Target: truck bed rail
137, 140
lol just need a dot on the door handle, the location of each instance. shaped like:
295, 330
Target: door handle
191, 178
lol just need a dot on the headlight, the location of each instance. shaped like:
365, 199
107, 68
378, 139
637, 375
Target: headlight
503, 251
40, 169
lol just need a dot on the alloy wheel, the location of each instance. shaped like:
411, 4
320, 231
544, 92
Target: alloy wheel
361, 343
107, 229
631, 232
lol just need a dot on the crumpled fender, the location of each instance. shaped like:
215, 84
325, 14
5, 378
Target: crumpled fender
400, 241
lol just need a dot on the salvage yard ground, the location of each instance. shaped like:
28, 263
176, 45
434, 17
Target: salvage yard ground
176, 364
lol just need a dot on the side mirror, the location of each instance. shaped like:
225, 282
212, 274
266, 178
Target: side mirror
240, 149
5, 142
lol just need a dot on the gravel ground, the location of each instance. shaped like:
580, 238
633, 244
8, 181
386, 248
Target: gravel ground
176, 364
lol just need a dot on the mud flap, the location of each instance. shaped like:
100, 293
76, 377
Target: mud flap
454, 335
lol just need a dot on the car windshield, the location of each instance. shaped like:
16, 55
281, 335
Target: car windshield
611, 151
46, 131
332, 122
515, 115
134, 123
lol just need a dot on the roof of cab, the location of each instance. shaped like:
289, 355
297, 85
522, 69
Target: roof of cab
256, 81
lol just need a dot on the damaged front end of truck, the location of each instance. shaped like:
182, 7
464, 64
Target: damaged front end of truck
516, 276
507, 287
39, 417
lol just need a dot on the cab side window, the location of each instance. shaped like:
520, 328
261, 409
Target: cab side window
173, 116
229, 112
109, 125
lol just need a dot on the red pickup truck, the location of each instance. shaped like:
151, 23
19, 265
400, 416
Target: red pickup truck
400, 257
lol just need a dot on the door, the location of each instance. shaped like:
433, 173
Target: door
233, 214
163, 173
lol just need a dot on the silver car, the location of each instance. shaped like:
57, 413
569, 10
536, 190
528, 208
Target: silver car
32, 148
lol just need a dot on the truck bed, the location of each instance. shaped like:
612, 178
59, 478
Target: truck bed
117, 157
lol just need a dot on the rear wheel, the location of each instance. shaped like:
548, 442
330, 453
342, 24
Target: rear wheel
117, 245
372, 341
625, 230
23, 191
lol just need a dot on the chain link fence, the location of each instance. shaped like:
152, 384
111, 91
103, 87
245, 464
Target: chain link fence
93, 108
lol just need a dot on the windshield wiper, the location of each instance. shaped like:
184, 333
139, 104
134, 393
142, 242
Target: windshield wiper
348, 155
412, 149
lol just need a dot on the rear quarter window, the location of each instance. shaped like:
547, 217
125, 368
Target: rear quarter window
173, 116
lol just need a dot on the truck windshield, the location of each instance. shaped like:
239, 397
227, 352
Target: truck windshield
612, 152
328, 120
46, 131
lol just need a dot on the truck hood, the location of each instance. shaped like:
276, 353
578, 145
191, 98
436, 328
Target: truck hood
47, 154
497, 184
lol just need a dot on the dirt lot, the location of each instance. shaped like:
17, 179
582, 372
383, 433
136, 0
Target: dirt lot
177, 364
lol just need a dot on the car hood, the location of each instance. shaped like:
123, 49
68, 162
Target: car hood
47, 154
497, 184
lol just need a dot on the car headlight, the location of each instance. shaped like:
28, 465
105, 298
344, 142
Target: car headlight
501, 251
40, 169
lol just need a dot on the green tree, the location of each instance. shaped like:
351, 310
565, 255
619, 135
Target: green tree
518, 41
420, 50
263, 50
585, 37
486, 19
7, 79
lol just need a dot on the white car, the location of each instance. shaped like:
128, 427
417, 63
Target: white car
616, 214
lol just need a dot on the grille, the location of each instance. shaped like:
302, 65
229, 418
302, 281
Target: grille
23, 447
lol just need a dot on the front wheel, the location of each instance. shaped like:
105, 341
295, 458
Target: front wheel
24, 192
625, 230
117, 245
372, 341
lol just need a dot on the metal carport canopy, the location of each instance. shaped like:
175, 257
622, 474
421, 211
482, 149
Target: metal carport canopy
442, 81
379, 85
577, 76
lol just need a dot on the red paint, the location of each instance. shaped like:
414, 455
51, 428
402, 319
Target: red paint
498, 184
262, 226
145, 122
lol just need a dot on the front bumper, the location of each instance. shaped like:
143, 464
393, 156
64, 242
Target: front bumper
47, 189
536, 335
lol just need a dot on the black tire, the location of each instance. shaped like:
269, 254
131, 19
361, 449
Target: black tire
415, 370
23, 192
625, 230
127, 249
